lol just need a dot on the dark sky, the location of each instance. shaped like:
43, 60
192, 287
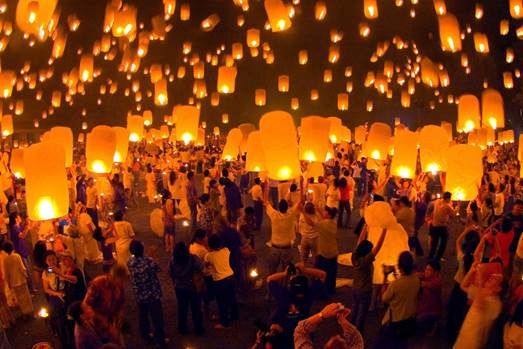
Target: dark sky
305, 33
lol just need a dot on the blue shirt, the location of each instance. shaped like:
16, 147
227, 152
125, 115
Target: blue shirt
19, 243
144, 280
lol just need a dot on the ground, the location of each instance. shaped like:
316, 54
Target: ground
253, 306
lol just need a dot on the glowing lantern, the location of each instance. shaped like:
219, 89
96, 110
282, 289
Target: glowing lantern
334, 53
481, 43
343, 101
122, 144
314, 95
86, 67
370, 9
405, 99
237, 51
279, 144
440, 7
164, 131
226, 79
35, 17
369, 106
160, 93
209, 23
295, 103
125, 22
492, 111
255, 161
46, 181
509, 55
449, 33
200, 88
7, 81
135, 127
216, 131
314, 140
335, 131
429, 73
17, 163
253, 37
465, 169
7, 125
468, 113
187, 120
516, 8
56, 99
504, 27
147, 118
260, 97
405, 154
508, 81
63, 136
433, 144
360, 134
283, 83
185, 12
225, 118
232, 145
364, 29
303, 57
100, 149
155, 73
378, 141
320, 10
277, 14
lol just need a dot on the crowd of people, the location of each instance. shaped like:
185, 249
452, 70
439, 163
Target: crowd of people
226, 208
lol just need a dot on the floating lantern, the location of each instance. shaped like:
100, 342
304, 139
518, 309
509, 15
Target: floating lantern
253, 37
516, 8
185, 12
405, 154
465, 169
429, 73
155, 73
122, 144
433, 141
164, 131
125, 22
46, 181
7, 82
187, 120
405, 99
504, 27
226, 79
147, 118
508, 81
260, 97
303, 57
160, 93
209, 23
279, 144
277, 14
360, 134
378, 141
492, 110
255, 161
215, 99
468, 113
135, 125
100, 149
232, 145
17, 164
295, 103
35, 17
314, 140
343, 101
283, 83
63, 136
320, 10
225, 118
86, 67
370, 9
335, 131
481, 43
440, 7
7, 125
314, 95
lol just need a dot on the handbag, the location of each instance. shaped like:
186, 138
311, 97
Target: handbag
198, 280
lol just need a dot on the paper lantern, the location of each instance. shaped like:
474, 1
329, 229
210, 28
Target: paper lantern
164, 131
504, 27
17, 164
225, 118
64, 137
405, 155
232, 145
246, 129
314, 140
255, 161
468, 113
237, 51
7, 82
209, 23
314, 95
481, 43
125, 21
253, 37
160, 93
100, 149
370, 9
508, 81
122, 144
303, 57
135, 127
465, 169
277, 14
378, 141
185, 12
516, 8
320, 10
360, 134
187, 120
433, 141
34, 16
260, 97
440, 7
492, 110
200, 88
226, 79
283, 83
147, 118
335, 132
155, 73
279, 144
216, 131
429, 73
345, 134
86, 67
343, 101
7, 125
509, 55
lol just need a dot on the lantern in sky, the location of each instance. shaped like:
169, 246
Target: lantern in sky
187, 120
449, 33
122, 144
370, 9
17, 164
492, 111
429, 72
279, 144
440, 7
504, 27
7, 82
378, 141
253, 37
160, 93
135, 125
100, 149
433, 141
468, 113
125, 21
343, 101
7, 125
481, 43
185, 12
314, 140
335, 131
464, 172
360, 134
303, 57
86, 67
226, 79
34, 16
283, 83
46, 181
260, 97
156, 73
508, 81
232, 145
277, 14
255, 161
320, 10
63, 136
147, 118
405, 154
516, 8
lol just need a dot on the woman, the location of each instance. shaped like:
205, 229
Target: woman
86, 229
309, 236
18, 233
150, 185
169, 223
123, 235
344, 202
183, 269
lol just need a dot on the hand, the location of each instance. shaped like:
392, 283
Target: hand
342, 314
331, 310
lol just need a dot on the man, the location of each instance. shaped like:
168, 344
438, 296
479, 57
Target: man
257, 198
233, 200
439, 229
192, 197
15, 275
405, 216
91, 194
148, 292
282, 232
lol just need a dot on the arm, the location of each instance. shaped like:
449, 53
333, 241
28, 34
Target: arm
377, 248
305, 329
469, 278
350, 332
47, 289
277, 276
312, 272
363, 234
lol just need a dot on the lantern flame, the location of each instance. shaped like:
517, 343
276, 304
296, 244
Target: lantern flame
45, 208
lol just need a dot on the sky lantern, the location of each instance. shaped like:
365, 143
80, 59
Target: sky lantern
345, 134
334, 53
280, 146
405, 154
320, 10
314, 140
314, 94
378, 141
440, 7
255, 161
187, 120
509, 55
34, 16
232, 145
464, 172
160, 93
56, 99
468, 113
215, 99
122, 144
360, 134
303, 57
405, 99
200, 140
504, 27
209, 23
59, 45
100, 149
185, 12
7, 82
124, 22
86, 67
449, 33
335, 130
156, 73
370, 9
237, 50
295, 103
492, 110
508, 81
16, 163
147, 118
200, 88
433, 142
516, 8
7, 125
226, 79
63, 136
198, 70
283, 83
429, 72
343, 101
260, 97
277, 14
164, 131
481, 44
253, 37
46, 181
135, 125
246, 129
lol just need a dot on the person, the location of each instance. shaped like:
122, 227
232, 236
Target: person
124, 234
333, 195
345, 202
150, 187
148, 292
206, 213
438, 231
351, 336
309, 236
18, 233
430, 301
182, 268
169, 223
233, 200
405, 216
85, 337
256, 192
86, 228
15, 275
504, 239
224, 283
199, 248
104, 302
91, 194
420, 210
363, 263
513, 330
192, 197
73, 278
401, 295
499, 201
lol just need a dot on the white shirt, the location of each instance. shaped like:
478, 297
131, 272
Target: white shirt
256, 192
91, 193
219, 262
282, 225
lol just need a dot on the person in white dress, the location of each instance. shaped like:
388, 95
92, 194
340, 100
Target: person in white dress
86, 229
150, 185
123, 235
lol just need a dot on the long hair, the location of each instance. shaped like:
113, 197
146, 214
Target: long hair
181, 253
